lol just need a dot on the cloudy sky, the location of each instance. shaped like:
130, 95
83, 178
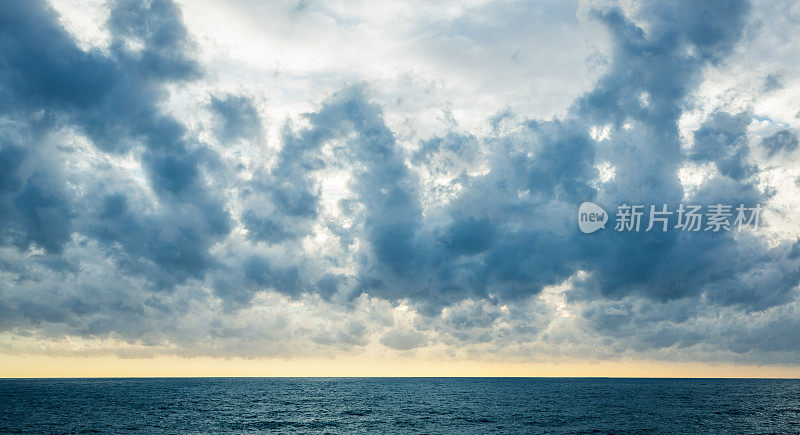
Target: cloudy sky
339, 180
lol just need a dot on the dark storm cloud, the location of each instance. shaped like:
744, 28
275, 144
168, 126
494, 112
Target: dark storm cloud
782, 140
380, 181
260, 271
238, 117
284, 198
722, 139
647, 85
106, 243
112, 98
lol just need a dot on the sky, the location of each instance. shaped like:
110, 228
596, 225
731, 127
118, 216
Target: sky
348, 188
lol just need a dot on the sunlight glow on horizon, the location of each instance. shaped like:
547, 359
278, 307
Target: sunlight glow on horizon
16, 366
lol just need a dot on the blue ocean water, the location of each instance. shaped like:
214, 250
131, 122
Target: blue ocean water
400, 405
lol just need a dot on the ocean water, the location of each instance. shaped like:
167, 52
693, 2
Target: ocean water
400, 405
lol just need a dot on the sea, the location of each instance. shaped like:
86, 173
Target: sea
400, 405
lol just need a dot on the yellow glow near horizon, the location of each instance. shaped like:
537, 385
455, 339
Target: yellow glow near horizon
17, 366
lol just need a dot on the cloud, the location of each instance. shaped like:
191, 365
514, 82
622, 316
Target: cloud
403, 340
782, 140
113, 100
722, 139
238, 115
145, 207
